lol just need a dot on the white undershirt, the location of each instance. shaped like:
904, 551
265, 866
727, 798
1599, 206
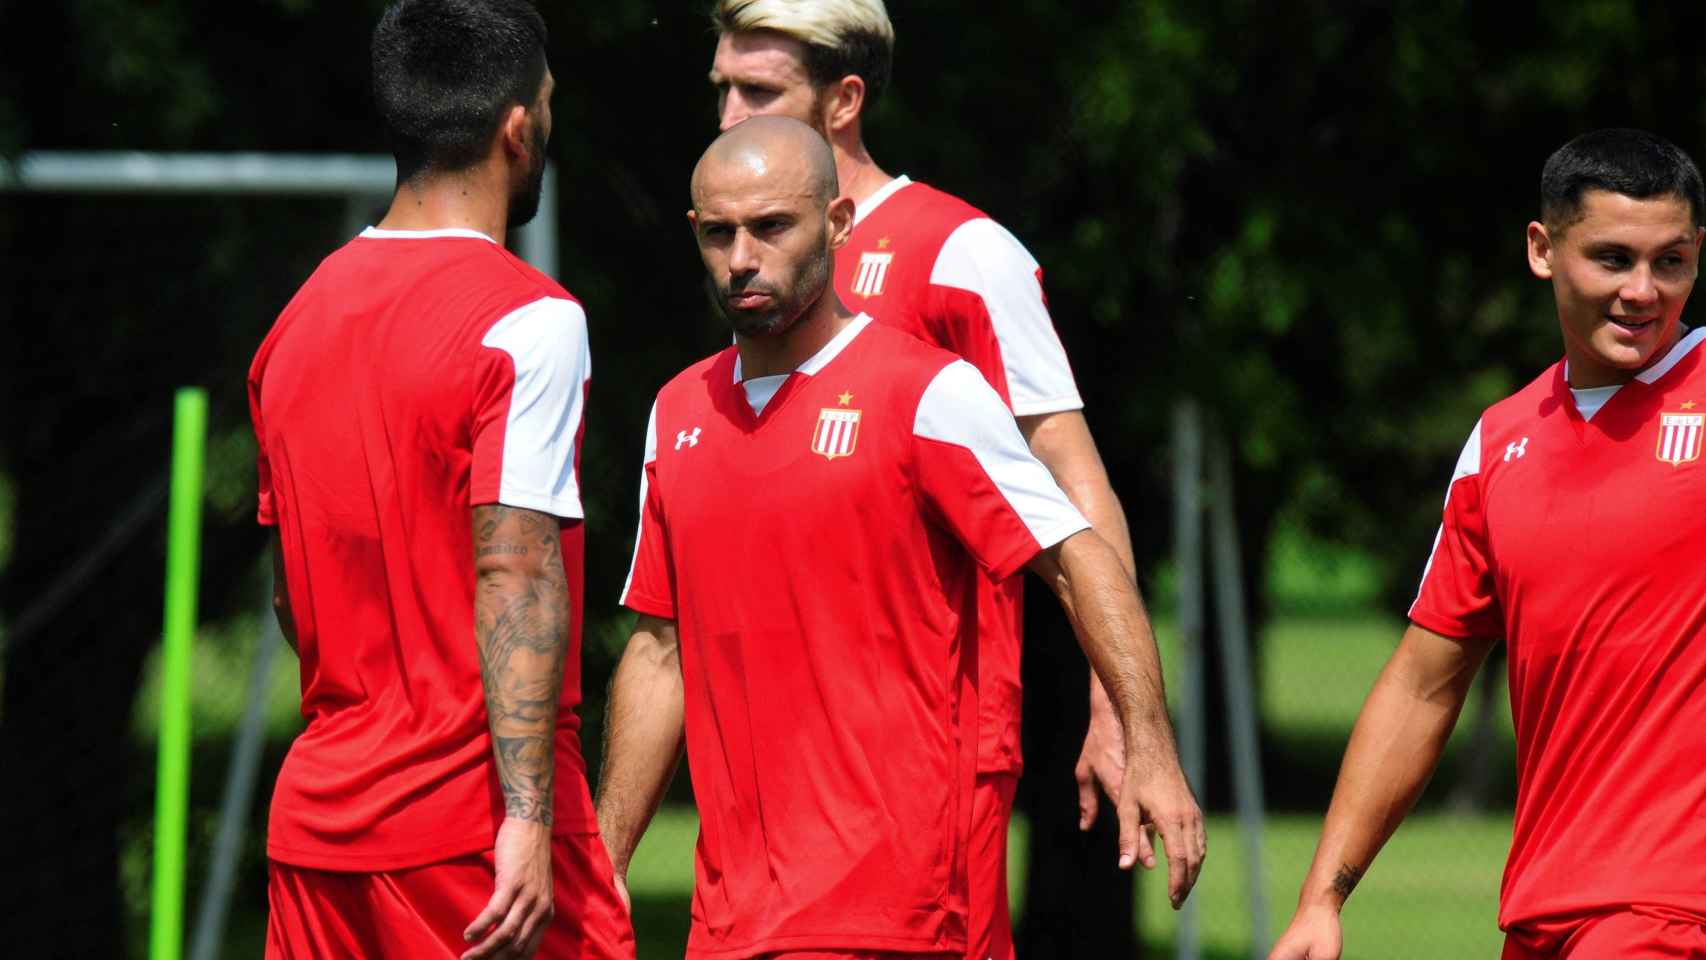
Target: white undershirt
759, 390
1590, 399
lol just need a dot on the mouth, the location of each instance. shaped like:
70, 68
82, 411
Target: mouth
1632, 324
750, 300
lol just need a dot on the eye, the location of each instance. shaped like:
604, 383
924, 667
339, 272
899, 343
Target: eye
1612, 261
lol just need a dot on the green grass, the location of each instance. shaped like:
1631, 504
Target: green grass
1433, 892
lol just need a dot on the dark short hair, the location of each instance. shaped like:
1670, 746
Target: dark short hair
865, 54
444, 72
1634, 163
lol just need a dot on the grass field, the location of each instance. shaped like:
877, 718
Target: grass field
1432, 894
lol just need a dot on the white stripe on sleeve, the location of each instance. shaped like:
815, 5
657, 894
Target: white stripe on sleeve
980, 256
546, 340
961, 408
640, 528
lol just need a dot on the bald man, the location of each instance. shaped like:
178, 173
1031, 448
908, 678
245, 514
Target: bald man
817, 503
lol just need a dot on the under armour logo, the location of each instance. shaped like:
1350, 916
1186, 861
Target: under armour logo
683, 438
1517, 450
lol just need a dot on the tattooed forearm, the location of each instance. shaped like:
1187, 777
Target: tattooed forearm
521, 618
1346, 880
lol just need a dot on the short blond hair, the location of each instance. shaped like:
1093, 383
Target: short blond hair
841, 36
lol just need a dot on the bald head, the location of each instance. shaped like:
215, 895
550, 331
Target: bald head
768, 153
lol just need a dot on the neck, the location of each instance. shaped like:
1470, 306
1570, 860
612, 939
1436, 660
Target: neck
858, 174
767, 356
1587, 371
469, 199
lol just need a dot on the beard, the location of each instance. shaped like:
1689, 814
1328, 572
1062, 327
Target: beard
788, 304
524, 202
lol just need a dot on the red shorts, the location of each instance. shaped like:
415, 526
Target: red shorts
990, 932
421, 912
1633, 933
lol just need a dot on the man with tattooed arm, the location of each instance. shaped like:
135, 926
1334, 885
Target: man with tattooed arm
418, 408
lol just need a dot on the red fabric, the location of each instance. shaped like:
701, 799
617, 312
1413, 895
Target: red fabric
991, 933
420, 913
913, 224
381, 419
828, 646
1637, 933
1579, 546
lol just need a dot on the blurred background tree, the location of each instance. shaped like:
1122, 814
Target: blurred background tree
1307, 215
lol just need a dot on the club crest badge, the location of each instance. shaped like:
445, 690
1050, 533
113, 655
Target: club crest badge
837, 432
1679, 437
873, 269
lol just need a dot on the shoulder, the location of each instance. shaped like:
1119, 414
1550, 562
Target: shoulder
1537, 400
903, 353
694, 383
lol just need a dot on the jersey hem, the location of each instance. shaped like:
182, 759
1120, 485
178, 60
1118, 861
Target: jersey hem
1443, 626
649, 607
565, 508
1060, 404
321, 859
828, 942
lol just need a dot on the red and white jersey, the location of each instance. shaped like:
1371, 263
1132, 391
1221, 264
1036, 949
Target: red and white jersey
820, 559
1580, 542
935, 266
412, 377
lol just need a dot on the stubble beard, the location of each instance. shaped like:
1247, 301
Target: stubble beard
811, 279
524, 202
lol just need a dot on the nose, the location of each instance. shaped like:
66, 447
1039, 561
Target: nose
743, 255
732, 111
1639, 289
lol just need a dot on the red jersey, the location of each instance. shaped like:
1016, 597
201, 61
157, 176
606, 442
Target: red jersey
1580, 542
413, 376
820, 559
942, 270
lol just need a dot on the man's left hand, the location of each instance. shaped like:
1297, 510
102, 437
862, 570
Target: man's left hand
1102, 761
1154, 797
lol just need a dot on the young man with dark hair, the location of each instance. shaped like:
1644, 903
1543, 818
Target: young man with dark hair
818, 503
940, 269
419, 407
1574, 528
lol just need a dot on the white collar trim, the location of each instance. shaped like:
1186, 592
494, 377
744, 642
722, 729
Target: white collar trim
829, 352
887, 190
1690, 340
374, 233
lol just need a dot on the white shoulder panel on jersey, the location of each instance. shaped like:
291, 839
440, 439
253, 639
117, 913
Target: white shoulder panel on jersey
640, 528
1468, 465
980, 256
961, 408
1469, 461
546, 340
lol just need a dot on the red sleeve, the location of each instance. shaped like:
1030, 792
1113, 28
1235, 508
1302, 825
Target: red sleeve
979, 479
651, 577
265, 513
1457, 596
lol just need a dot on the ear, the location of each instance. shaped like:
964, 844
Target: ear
845, 102
1540, 250
840, 215
693, 222
512, 131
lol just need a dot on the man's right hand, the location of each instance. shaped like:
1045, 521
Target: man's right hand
515, 919
1155, 797
1314, 934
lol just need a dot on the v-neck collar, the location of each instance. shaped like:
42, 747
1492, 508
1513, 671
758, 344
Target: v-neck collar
800, 374
1655, 372
875, 200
